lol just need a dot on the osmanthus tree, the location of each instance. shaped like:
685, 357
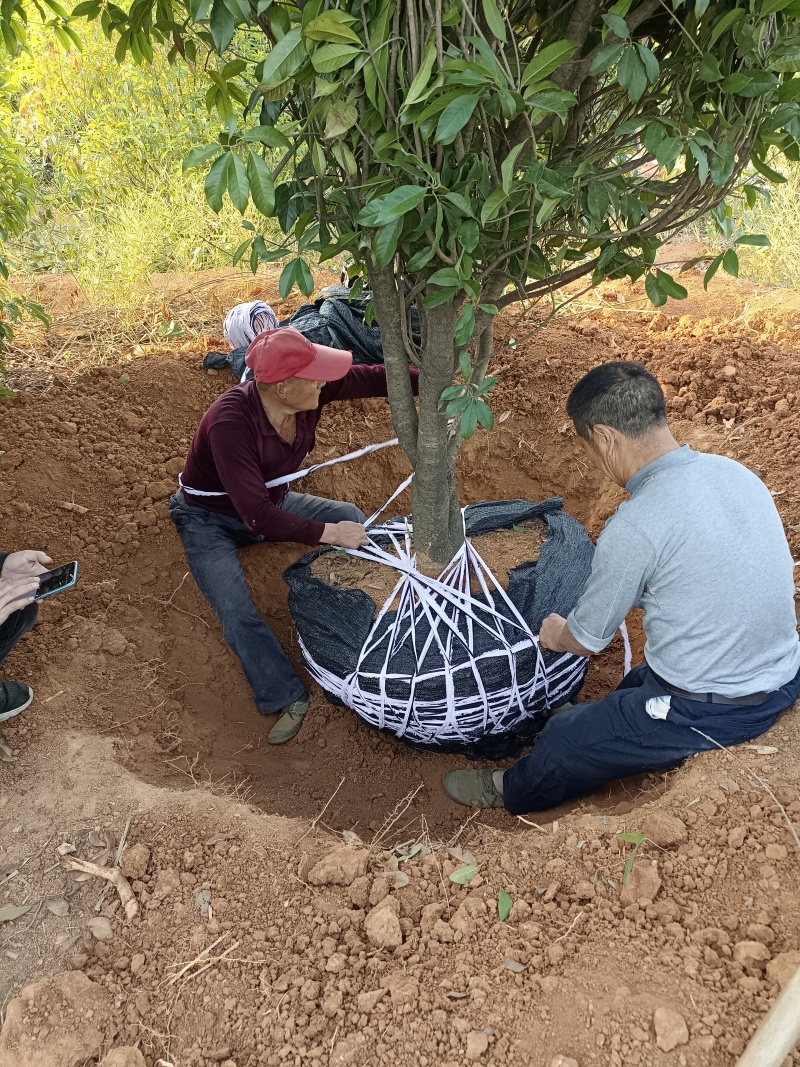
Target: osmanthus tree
467, 154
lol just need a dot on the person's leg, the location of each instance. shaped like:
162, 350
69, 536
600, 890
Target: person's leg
16, 626
321, 509
211, 543
15, 696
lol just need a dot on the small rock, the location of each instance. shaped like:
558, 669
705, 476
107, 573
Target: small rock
379, 891
776, 852
783, 968
751, 953
403, 988
443, 932
671, 1029
555, 954
477, 1044
382, 928
135, 859
137, 962
663, 829
759, 932
332, 1003
100, 927
737, 836
360, 891
174, 466
114, 643
367, 1001
167, 880
160, 490
563, 1061
125, 1056
335, 963
340, 867
643, 884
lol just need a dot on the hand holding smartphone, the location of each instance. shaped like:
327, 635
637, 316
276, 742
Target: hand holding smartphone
57, 580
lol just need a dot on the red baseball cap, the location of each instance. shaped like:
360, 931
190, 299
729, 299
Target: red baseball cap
275, 355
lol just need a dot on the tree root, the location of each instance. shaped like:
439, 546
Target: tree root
110, 874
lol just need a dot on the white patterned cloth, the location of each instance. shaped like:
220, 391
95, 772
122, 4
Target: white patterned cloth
245, 321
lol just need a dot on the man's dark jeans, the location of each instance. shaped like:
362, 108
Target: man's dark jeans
211, 542
583, 747
16, 626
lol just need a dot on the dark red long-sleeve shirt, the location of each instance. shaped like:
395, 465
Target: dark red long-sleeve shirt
236, 450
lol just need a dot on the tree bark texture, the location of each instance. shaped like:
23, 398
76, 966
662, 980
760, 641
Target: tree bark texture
436, 515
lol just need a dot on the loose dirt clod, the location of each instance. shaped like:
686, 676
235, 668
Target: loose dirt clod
671, 1029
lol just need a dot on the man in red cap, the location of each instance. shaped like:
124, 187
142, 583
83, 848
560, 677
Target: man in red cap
254, 433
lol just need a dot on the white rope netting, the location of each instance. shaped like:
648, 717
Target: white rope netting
458, 645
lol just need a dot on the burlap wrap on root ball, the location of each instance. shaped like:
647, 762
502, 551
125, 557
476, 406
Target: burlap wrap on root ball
462, 681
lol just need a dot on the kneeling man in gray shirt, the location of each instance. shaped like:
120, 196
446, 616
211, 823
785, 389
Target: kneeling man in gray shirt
700, 546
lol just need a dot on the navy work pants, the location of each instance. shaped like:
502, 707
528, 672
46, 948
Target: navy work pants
583, 747
16, 626
211, 542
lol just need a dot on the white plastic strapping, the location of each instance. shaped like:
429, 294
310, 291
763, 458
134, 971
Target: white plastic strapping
446, 699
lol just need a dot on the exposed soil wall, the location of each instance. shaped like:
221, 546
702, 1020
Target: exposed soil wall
141, 711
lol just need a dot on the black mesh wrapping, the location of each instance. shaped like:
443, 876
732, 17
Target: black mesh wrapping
334, 625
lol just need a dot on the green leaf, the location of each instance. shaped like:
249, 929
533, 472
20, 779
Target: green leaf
455, 117
331, 57
668, 285
464, 365
723, 160
262, 188
629, 866
296, 272
468, 425
268, 135
332, 25
384, 243
769, 7
446, 276
420, 259
633, 839
9, 912
385, 209
504, 904
730, 263
754, 240
607, 57
217, 182
199, 155
440, 296
464, 875
423, 76
649, 61
485, 415
713, 267
597, 199
723, 24
465, 325
222, 24
701, 159
657, 298
238, 186
494, 20
759, 83
734, 83
632, 75
284, 59
617, 25
547, 60
492, 205
708, 69
341, 117
413, 851
452, 392
489, 309
507, 167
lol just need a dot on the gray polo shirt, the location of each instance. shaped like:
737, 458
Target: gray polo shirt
700, 546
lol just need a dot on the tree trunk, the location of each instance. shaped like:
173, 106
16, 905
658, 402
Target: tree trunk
438, 525
436, 515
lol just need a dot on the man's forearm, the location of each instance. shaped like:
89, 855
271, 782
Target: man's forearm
555, 636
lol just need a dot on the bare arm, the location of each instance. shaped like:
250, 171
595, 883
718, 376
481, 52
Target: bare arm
555, 635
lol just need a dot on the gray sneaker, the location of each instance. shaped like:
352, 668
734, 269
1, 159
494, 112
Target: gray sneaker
476, 789
290, 721
14, 698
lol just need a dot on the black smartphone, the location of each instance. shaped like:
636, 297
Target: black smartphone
57, 580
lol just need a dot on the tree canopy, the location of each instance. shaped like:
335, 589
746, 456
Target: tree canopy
466, 154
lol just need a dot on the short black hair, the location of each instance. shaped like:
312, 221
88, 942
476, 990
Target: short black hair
623, 395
